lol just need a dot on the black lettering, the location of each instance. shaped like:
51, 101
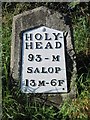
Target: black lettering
29, 70
39, 45
50, 70
38, 36
27, 82
53, 82
28, 37
29, 45
43, 70
38, 58
47, 36
60, 82
56, 58
41, 83
30, 57
48, 46
56, 36
57, 69
32, 83
58, 45
36, 70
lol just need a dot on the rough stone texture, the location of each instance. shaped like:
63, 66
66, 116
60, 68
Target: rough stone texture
51, 19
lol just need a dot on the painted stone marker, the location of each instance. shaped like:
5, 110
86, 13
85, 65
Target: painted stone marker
41, 40
43, 61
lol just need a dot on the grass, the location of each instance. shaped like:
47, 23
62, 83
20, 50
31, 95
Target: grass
0, 68
81, 34
77, 109
21, 106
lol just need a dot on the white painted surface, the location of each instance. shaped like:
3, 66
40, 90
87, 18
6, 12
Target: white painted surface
53, 79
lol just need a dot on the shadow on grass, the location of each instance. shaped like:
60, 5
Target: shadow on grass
83, 71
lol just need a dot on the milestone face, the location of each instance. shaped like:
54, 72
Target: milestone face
43, 61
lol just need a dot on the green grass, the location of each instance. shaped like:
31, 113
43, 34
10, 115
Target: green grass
0, 70
21, 106
81, 33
